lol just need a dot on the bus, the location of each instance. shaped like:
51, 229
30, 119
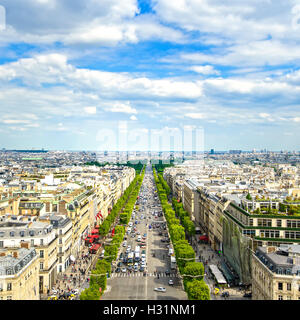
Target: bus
173, 263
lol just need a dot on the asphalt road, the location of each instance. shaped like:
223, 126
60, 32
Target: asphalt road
134, 285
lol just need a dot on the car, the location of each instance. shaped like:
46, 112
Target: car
160, 289
171, 282
121, 255
167, 272
75, 291
163, 240
248, 295
129, 268
118, 270
124, 260
119, 264
135, 269
123, 269
142, 269
225, 294
124, 243
133, 235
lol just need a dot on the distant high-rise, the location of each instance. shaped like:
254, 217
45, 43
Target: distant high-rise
212, 151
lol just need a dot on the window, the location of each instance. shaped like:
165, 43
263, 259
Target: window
278, 223
9, 286
279, 285
12, 234
280, 297
288, 287
41, 253
60, 241
1, 244
41, 266
41, 242
32, 242
9, 297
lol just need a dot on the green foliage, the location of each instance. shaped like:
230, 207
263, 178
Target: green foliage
197, 290
90, 293
193, 270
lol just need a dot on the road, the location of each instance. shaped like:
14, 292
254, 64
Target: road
135, 285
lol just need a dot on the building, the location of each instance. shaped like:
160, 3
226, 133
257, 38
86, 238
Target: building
34, 234
276, 273
19, 274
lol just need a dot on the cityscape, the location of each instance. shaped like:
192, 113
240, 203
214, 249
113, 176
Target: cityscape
149, 151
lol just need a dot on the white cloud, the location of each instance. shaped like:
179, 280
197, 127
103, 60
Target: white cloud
195, 115
121, 107
133, 118
90, 110
206, 70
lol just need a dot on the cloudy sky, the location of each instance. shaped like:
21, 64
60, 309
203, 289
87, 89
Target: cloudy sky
85, 74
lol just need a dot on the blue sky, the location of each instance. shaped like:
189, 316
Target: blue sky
80, 71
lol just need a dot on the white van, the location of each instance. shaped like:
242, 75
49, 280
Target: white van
170, 251
139, 238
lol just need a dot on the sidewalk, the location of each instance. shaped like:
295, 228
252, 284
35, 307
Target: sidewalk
72, 277
207, 254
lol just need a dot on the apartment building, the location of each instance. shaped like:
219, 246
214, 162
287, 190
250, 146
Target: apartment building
276, 273
63, 228
34, 234
19, 274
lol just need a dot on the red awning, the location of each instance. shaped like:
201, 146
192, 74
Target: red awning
95, 236
95, 231
203, 238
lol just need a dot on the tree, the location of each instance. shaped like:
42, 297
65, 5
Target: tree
248, 197
195, 270
91, 293
197, 290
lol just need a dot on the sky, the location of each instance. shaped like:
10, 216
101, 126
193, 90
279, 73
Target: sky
144, 74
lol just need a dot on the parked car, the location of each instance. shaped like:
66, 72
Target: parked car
123, 269
171, 283
118, 270
225, 294
248, 295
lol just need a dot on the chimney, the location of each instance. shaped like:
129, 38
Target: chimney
271, 249
25, 245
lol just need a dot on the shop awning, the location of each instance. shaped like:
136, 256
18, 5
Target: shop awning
95, 231
203, 238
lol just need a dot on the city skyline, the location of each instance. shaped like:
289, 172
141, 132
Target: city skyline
80, 68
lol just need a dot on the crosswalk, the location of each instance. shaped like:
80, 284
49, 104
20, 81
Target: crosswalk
140, 274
